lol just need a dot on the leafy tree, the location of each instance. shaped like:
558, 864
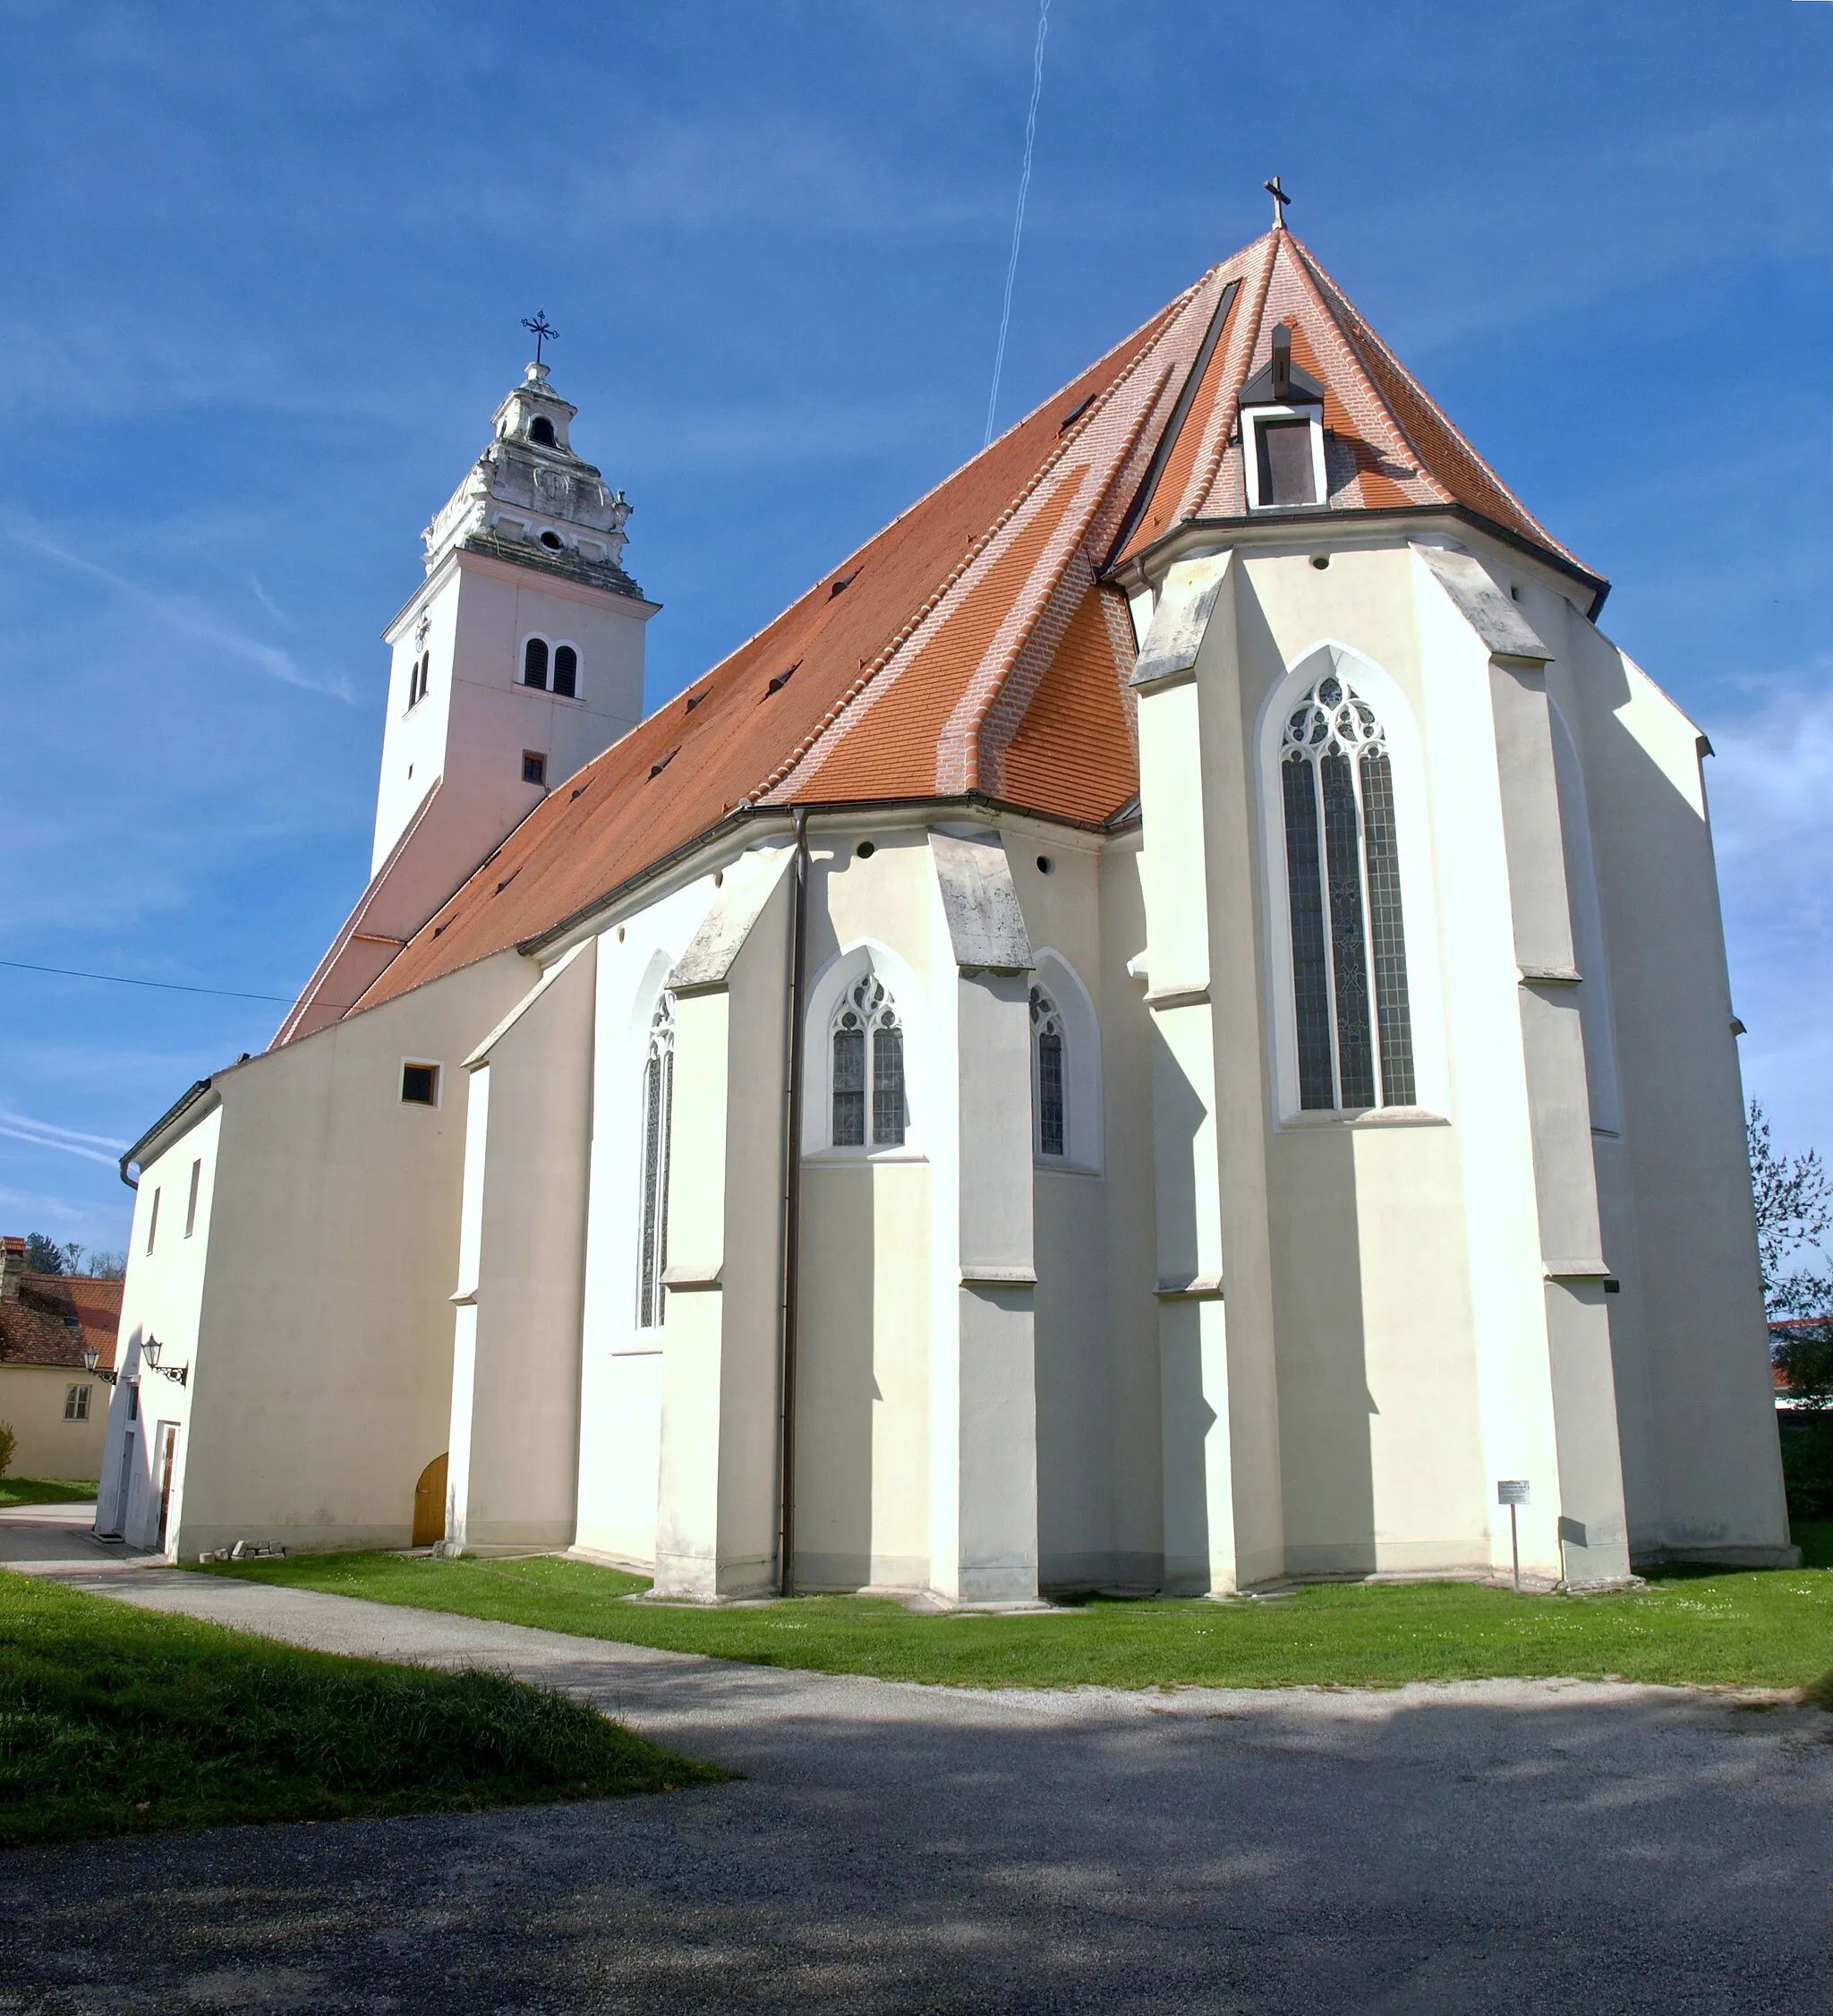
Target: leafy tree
46, 1256
1794, 1206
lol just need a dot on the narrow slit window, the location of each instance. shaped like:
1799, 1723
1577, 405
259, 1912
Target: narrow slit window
850, 1083
534, 663
197, 1174
1048, 1099
153, 1221
658, 1114
867, 1044
565, 672
1350, 1006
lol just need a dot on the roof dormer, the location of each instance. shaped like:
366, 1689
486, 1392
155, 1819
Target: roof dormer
1283, 432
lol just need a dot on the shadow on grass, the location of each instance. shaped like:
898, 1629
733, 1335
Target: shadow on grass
46, 1490
896, 1850
114, 1720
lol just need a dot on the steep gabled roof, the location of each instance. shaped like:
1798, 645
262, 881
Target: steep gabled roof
57, 1316
971, 647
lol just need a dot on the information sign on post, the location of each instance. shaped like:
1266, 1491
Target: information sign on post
1512, 1491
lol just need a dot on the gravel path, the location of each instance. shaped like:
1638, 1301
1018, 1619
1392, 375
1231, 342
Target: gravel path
1445, 1850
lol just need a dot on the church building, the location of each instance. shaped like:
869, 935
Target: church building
1164, 1027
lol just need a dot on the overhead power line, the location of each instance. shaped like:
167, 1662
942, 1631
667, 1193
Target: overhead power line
126, 980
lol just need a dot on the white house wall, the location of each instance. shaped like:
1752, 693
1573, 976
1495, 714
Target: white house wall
320, 1336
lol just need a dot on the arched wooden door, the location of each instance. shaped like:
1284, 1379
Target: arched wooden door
430, 1504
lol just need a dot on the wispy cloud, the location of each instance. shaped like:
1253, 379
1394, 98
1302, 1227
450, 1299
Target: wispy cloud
43, 1133
183, 613
1772, 823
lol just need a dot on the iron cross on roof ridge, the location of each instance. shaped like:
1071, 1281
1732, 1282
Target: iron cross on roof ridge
538, 328
1280, 200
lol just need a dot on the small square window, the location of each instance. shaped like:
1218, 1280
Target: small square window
76, 1403
420, 1085
534, 767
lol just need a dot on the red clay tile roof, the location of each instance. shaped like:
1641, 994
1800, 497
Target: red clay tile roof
55, 1317
968, 648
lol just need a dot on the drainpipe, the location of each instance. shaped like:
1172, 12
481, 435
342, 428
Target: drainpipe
792, 1215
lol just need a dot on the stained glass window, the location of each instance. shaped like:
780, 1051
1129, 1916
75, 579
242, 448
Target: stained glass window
867, 1022
1353, 1025
658, 1103
1047, 1053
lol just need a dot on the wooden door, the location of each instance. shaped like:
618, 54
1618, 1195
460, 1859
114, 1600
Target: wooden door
168, 1444
430, 1504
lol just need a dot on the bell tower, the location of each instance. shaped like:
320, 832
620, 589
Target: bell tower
520, 656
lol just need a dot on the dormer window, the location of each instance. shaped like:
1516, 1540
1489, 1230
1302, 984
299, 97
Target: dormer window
1283, 432
540, 431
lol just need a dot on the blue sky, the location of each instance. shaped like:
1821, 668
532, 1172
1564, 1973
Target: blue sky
264, 273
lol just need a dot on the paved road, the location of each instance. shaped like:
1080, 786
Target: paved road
1433, 1851
30, 1534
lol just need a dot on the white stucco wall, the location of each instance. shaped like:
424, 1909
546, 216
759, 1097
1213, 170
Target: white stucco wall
312, 1301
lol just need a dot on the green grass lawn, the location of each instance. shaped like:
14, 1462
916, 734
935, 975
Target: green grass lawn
1771, 1628
46, 1491
119, 1721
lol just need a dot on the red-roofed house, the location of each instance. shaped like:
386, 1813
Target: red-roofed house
49, 1395
1165, 1025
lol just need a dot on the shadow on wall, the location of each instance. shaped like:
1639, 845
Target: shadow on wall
125, 1507
1689, 1346
1326, 1408
836, 1387
1202, 1850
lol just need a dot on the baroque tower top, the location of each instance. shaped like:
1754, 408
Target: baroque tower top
530, 499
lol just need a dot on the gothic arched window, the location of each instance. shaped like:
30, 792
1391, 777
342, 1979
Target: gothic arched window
565, 672
1049, 1097
868, 1055
1355, 1037
534, 663
652, 1226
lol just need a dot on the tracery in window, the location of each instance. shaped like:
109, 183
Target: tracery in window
534, 663
658, 1107
1355, 1037
1048, 1098
868, 1051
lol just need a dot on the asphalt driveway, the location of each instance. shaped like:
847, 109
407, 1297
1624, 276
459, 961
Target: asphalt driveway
1493, 1847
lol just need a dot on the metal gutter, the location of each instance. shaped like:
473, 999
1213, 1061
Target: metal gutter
173, 1113
792, 1216
1272, 526
538, 942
